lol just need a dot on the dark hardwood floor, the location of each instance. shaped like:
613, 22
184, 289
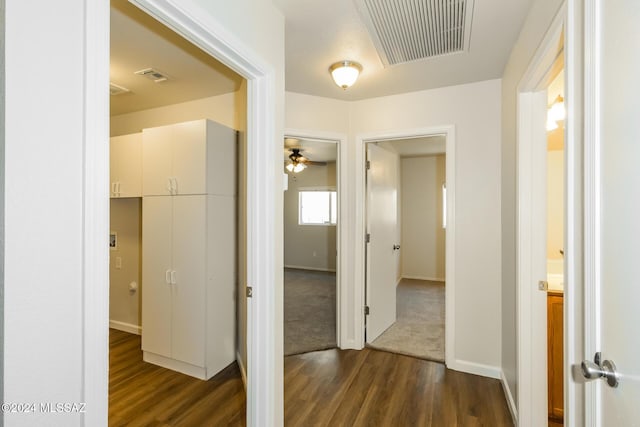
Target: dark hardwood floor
325, 388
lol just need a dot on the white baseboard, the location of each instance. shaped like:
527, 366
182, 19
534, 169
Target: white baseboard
510, 401
125, 327
475, 368
243, 370
350, 345
302, 267
430, 279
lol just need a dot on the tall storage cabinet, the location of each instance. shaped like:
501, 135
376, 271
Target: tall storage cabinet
126, 165
188, 241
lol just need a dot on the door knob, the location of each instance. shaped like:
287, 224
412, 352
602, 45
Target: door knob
606, 369
396, 247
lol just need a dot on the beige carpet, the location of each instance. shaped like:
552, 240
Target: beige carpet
419, 328
309, 311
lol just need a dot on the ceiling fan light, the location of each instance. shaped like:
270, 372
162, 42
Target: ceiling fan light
298, 168
290, 167
345, 73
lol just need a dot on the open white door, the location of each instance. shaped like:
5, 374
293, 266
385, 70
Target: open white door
618, 287
382, 249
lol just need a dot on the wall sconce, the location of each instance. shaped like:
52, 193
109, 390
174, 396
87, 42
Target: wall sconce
345, 73
555, 113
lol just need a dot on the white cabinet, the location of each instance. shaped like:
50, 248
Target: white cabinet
188, 268
187, 158
126, 165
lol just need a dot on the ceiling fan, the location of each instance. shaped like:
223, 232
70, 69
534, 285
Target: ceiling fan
297, 162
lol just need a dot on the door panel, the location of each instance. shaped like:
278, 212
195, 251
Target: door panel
156, 261
156, 161
189, 263
190, 157
620, 209
382, 259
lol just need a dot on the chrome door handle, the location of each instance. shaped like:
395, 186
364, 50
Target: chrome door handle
606, 369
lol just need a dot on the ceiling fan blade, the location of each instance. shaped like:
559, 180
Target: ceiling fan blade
311, 162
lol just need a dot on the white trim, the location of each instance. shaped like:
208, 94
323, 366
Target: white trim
177, 365
475, 368
95, 253
125, 327
302, 267
511, 403
264, 393
429, 279
356, 312
243, 370
343, 340
531, 325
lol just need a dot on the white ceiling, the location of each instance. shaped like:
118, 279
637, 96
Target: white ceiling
416, 147
316, 150
139, 41
319, 33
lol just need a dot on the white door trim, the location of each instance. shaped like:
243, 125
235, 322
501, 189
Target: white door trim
567, 24
357, 310
342, 333
264, 389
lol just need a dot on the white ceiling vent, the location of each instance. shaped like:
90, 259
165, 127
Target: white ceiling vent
409, 30
115, 89
152, 74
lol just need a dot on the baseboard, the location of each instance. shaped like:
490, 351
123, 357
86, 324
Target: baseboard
243, 370
302, 267
350, 345
475, 368
510, 401
125, 327
430, 279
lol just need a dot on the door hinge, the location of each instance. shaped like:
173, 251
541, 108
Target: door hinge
367, 238
366, 310
249, 291
368, 164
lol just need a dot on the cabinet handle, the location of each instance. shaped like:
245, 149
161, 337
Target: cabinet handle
175, 185
167, 277
113, 189
173, 277
170, 185
119, 191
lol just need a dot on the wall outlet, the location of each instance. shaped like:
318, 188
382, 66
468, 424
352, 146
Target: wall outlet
118, 262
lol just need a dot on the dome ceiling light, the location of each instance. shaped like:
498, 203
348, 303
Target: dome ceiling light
345, 73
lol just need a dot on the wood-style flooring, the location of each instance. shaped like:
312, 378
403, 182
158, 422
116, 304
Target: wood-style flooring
325, 388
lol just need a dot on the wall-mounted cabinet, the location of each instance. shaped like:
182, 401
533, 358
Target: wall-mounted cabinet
126, 165
185, 158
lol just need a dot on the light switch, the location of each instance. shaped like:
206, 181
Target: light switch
118, 262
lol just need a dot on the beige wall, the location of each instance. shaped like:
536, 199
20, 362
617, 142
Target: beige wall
423, 238
536, 24
555, 204
308, 246
124, 306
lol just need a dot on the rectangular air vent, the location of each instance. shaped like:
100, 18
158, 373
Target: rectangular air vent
115, 89
409, 30
152, 74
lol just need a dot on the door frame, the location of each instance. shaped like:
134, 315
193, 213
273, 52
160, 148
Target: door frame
264, 388
342, 259
359, 218
531, 222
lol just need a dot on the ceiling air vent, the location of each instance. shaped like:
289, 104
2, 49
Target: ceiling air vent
152, 74
115, 89
409, 30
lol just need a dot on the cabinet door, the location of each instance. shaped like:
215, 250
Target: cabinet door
156, 161
190, 157
156, 262
126, 165
555, 356
189, 263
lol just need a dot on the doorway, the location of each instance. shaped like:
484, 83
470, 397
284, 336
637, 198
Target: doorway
408, 143
178, 202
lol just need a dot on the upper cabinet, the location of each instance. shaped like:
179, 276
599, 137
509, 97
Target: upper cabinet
126, 165
188, 158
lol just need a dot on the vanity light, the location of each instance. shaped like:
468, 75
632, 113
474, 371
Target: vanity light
556, 110
345, 73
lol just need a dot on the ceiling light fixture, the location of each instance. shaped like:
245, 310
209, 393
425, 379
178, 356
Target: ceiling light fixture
345, 73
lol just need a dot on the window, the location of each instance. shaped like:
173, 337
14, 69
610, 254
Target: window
317, 207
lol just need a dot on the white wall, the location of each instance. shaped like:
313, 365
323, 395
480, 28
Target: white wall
555, 204
124, 306
536, 24
44, 147
423, 238
474, 110
308, 246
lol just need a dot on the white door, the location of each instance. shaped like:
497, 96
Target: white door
619, 315
156, 161
190, 157
382, 225
126, 165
